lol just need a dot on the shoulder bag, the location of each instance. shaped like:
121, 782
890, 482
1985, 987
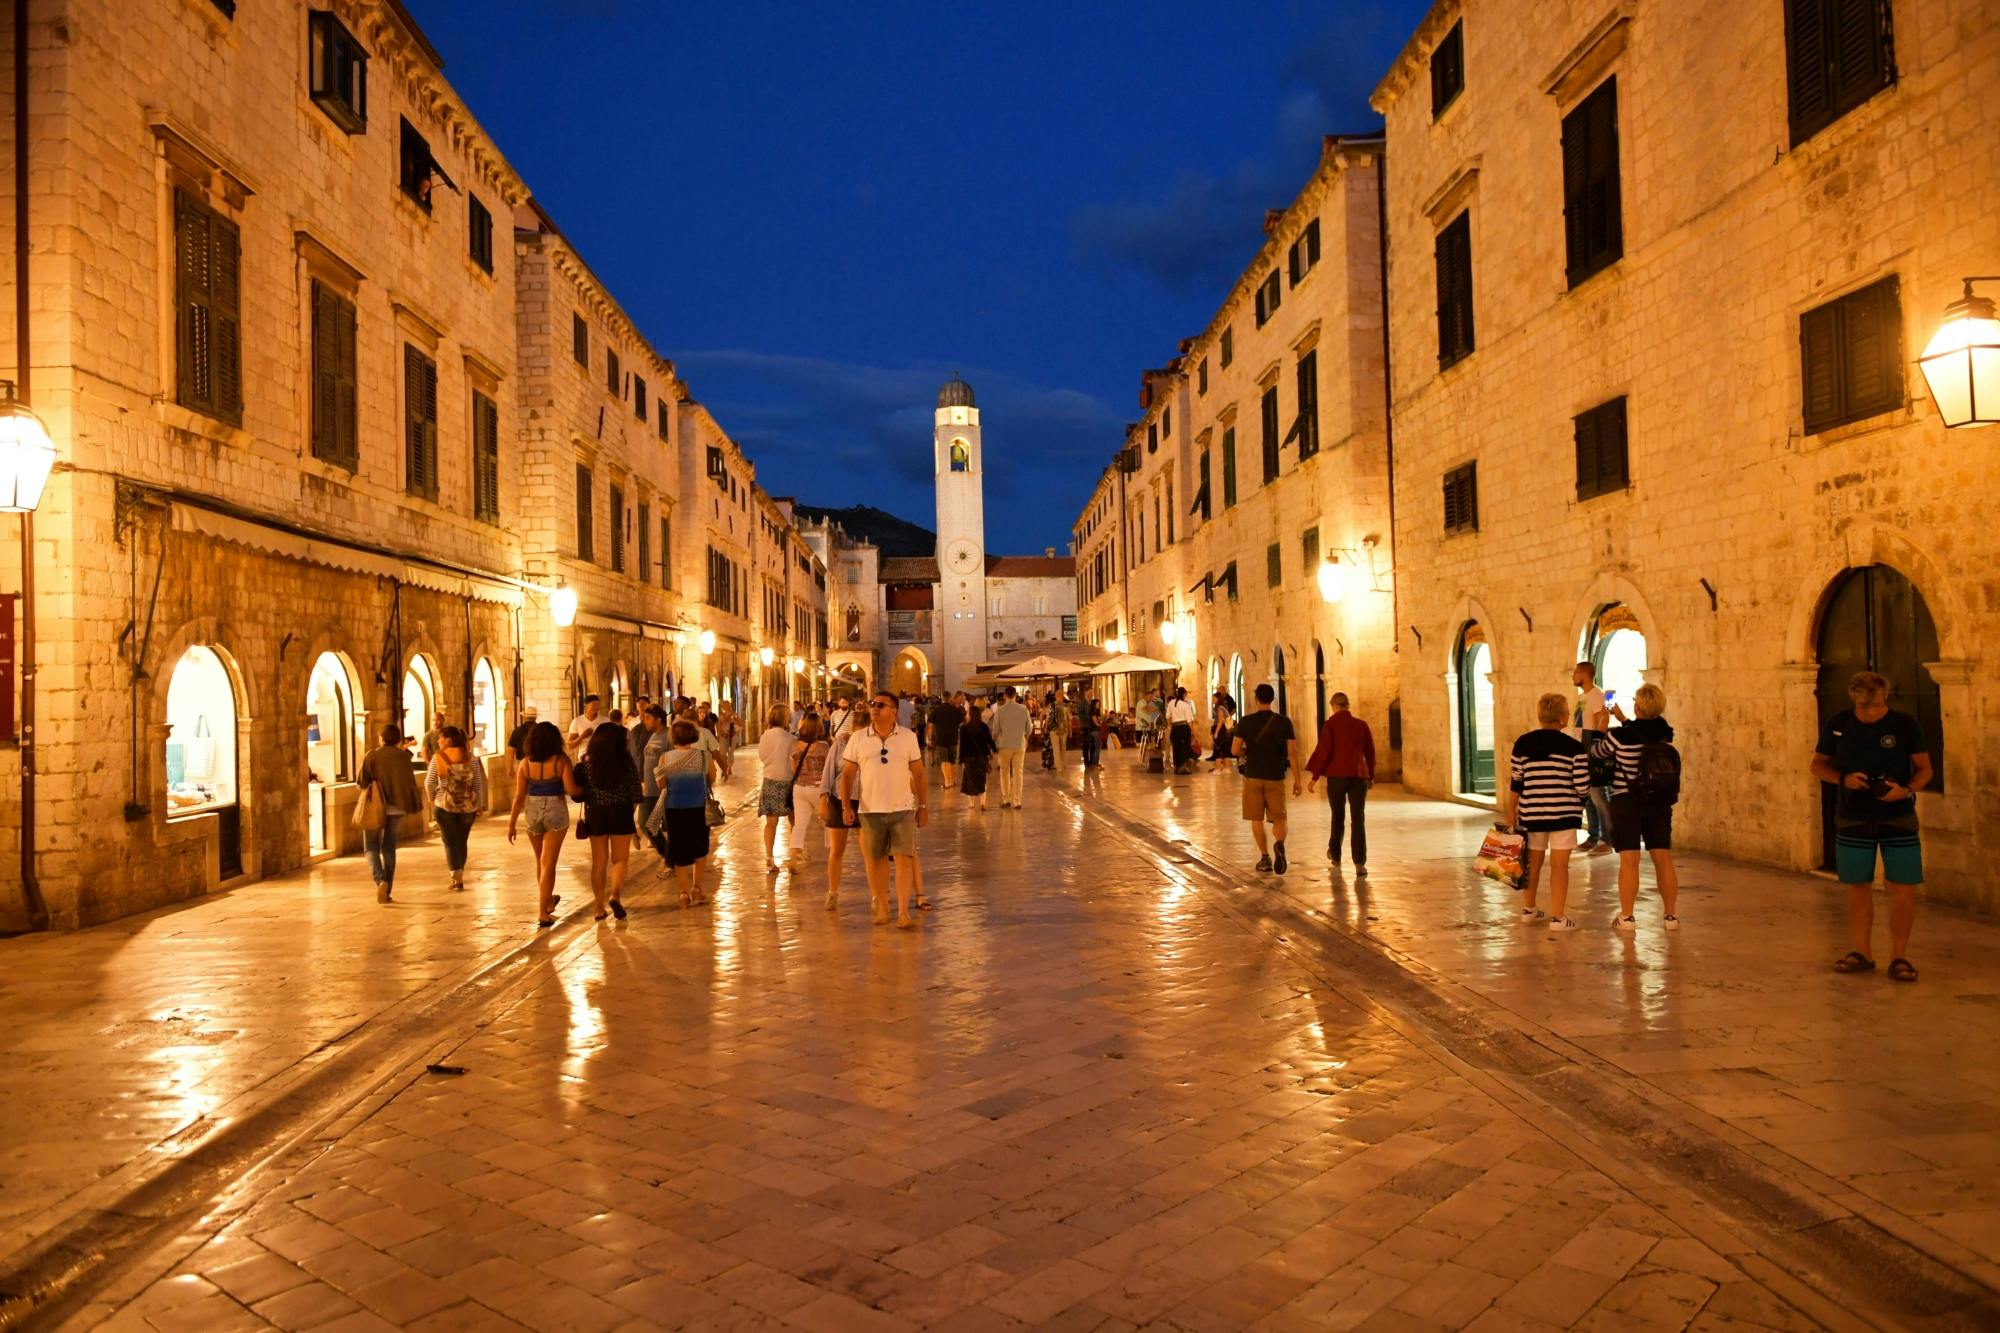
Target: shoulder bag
370, 813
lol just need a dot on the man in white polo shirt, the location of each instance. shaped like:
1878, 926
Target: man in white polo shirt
883, 767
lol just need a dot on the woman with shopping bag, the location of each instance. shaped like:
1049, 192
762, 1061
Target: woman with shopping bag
1544, 803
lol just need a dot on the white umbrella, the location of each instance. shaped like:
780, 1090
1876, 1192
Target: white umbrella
1043, 667
1125, 663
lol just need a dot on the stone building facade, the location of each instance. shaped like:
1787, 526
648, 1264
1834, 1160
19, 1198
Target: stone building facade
274, 333
1655, 401
1261, 456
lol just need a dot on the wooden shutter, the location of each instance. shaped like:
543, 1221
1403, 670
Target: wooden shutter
645, 570
1614, 471
420, 416
208, 341
1820, 366
347, 388
1860, 51
1270, 423
1809, 84
1461, 499
666, 552
1453, 253
618, 529
334, 427
227, 305
1839, 53
584, 536
1586, 456
485, 459
579, 340
1872, 357
1592, 226
1228, 467
1308, 389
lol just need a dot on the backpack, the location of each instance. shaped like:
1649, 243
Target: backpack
1658, 778
457, 789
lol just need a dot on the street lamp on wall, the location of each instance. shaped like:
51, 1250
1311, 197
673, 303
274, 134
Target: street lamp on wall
1961, 363
1332, 580
27, 454
706, 642
562, 605
766, 656
1169, 631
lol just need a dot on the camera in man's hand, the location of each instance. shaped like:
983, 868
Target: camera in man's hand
1879, 788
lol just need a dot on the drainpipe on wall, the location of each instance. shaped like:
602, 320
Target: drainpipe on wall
31, 889
1388, 397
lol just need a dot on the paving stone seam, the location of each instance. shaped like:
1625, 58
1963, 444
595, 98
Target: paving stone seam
124, 1224
1794, 1226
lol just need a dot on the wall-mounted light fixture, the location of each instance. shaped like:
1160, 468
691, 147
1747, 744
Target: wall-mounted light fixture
1961, 363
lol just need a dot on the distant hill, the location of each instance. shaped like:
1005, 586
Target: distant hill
894, 536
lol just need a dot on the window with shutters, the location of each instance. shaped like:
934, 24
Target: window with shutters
666, 552
418, 171
1228, 346
1308, 423
479, 229
335, 385
1201, 497
618, 529
1274, 565
420, 423
1201, 377
1152, 437
1601, 459
1270, 293
1167, 422
339, 72
1461, 499
1454, 290
208, 317
661, 413
614, 377
1158, 530
1592, 232
579, 341
1272, 445
1170, 511
1228, 467
1304, 253
1851, 356
1838, 54
586, 545
638, 397
1448, 69
1309, 550
485, 458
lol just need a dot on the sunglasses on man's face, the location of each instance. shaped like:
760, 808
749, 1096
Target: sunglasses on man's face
882, 703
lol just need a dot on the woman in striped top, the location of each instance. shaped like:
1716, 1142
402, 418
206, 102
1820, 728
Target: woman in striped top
1544, 801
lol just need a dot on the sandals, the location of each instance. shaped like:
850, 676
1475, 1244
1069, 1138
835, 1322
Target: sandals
546, 922
618, 909
1854, 961
1901, 969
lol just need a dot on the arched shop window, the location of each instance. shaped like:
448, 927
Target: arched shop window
1474, 661
1615, 643
201, 734
420, 696
330, 721
489, 710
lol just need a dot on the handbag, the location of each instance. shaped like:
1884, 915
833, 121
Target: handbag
370, 812
714, 815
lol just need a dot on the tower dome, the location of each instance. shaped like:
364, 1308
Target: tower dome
956, 394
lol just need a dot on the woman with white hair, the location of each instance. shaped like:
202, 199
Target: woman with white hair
1645, 785
833, 812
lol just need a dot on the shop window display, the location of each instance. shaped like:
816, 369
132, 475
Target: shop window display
489, 710
201, 734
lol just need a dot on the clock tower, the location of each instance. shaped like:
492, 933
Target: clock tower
960, 632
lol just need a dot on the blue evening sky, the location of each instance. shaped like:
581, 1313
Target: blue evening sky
819, 211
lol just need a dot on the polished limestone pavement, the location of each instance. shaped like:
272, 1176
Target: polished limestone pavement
1110, 1082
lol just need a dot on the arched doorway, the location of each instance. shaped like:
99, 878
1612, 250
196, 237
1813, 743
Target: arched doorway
1874, 619
1615, 643
909, 671
201, 749
489, 709
1278, 680
1473, 661
621, 689
421, 696
334, 743
1236, 681
1319, 684
848, 681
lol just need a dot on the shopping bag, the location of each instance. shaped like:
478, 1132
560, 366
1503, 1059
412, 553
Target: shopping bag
714, 813
1500, 856
370, 813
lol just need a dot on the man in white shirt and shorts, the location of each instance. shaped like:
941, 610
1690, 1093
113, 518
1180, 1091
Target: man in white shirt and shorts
882, 771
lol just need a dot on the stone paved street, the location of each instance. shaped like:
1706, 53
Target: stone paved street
1103, 1087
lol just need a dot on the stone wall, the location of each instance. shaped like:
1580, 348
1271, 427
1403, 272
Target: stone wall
1730, 233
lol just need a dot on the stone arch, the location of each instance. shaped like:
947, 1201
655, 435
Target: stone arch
1876, 544
1608, 589
1467, 609
207, 632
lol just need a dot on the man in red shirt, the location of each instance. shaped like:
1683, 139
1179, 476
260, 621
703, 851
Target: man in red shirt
1345, 757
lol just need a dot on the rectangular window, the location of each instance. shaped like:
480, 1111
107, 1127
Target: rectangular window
1167, 423
1228, 346
1229, 467
717, 471
485, 458
1229, 577
638, 397
479, 228
586, 545
618, 529
1592, 232
208, 315
1270, 293
1201, 494
666, 552
614, 377
1170, 512
339, 72
1305, 252
1309, 550
1152, 437
1274, 565
579, 341
335, 384
1272, 446
1851, 356
1448, 69
1838, 54
417, 169
1461, 499
1454, 290
1601, 466
1157, 529
1308, 423
420, 423
660, 411
1201, 376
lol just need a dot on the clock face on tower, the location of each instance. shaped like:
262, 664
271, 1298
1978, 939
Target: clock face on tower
962, 556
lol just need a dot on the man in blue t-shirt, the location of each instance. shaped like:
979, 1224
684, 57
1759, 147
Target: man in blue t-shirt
1880, 759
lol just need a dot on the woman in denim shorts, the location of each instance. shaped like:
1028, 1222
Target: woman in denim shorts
543, 785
